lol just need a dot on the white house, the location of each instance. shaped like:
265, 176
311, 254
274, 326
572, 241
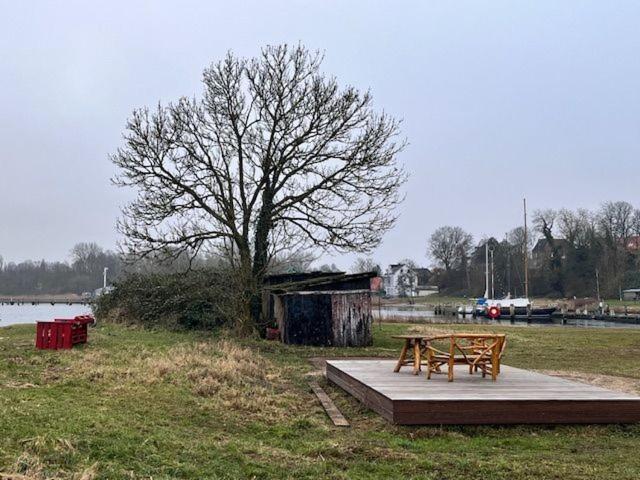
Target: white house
400, 280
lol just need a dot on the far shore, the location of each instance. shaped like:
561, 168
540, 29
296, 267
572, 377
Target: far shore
41, 297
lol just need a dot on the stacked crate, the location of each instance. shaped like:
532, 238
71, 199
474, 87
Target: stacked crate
62, 333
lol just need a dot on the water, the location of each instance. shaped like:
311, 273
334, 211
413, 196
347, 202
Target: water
15, 314
422, 314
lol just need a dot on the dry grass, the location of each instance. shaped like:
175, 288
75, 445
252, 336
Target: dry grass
228, 376
30, 465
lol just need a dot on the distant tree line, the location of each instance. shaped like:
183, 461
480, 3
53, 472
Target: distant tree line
82, 273
570, 252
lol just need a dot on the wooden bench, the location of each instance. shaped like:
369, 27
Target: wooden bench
480, 351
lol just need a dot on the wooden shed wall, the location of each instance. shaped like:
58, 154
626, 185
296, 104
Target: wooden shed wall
351, 314
337, 319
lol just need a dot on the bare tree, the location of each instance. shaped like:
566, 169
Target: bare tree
636, 222
89, 257
615, 220
329, 268
543, 221
450, 246
274, 156
291, 262
578, 227
516, 238
364, 265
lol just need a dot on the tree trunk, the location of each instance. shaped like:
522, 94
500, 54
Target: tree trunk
260, 260
245, 325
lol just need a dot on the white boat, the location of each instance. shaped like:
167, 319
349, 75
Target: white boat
520, 306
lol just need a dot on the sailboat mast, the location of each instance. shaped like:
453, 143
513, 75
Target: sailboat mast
526, 252
486, 270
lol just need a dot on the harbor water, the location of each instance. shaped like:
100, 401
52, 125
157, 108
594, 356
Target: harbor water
421, 314
17, 314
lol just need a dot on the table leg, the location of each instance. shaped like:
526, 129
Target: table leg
416, 356
495, 365
403, 355
451, 365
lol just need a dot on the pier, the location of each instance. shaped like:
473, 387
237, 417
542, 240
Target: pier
54, 300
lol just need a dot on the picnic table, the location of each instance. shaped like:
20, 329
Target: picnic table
479, 351
414, 345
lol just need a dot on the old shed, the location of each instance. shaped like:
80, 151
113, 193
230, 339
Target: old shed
321, 310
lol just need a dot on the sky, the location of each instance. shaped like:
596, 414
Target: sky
500, 100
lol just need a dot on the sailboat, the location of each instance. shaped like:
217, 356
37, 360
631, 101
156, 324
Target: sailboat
507, 307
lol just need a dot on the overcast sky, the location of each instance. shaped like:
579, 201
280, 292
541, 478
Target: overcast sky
500, 100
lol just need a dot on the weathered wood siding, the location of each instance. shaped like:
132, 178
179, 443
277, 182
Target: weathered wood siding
340, 319
351, 314
304, 319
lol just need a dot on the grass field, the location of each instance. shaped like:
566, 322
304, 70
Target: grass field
136, 403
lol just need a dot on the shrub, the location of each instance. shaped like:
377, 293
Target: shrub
193, 300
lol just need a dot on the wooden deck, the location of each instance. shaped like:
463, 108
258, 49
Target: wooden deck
519, 396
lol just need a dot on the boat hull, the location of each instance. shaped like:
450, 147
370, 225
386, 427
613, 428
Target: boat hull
505, 312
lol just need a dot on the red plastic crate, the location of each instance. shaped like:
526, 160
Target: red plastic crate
62, 333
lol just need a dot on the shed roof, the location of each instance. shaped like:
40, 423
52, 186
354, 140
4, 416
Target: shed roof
319, 281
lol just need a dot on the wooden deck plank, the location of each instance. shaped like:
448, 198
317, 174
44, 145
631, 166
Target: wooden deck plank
332, 411
519, 396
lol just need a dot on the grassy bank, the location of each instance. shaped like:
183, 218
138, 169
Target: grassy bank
136, 403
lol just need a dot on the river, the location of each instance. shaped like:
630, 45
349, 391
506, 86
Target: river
420, 314
15, 314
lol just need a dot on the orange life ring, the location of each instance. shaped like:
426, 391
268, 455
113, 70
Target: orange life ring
493, 312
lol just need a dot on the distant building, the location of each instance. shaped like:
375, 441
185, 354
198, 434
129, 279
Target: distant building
543, 251
424, 287
400, 280
424, 275
98, 292
377, 284
632, 244
631, 294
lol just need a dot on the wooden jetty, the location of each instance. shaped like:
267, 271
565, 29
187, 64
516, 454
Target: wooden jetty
518, 396
43, 301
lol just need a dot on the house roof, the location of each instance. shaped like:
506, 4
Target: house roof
543, 244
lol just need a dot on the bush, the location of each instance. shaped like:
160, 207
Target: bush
193, 300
